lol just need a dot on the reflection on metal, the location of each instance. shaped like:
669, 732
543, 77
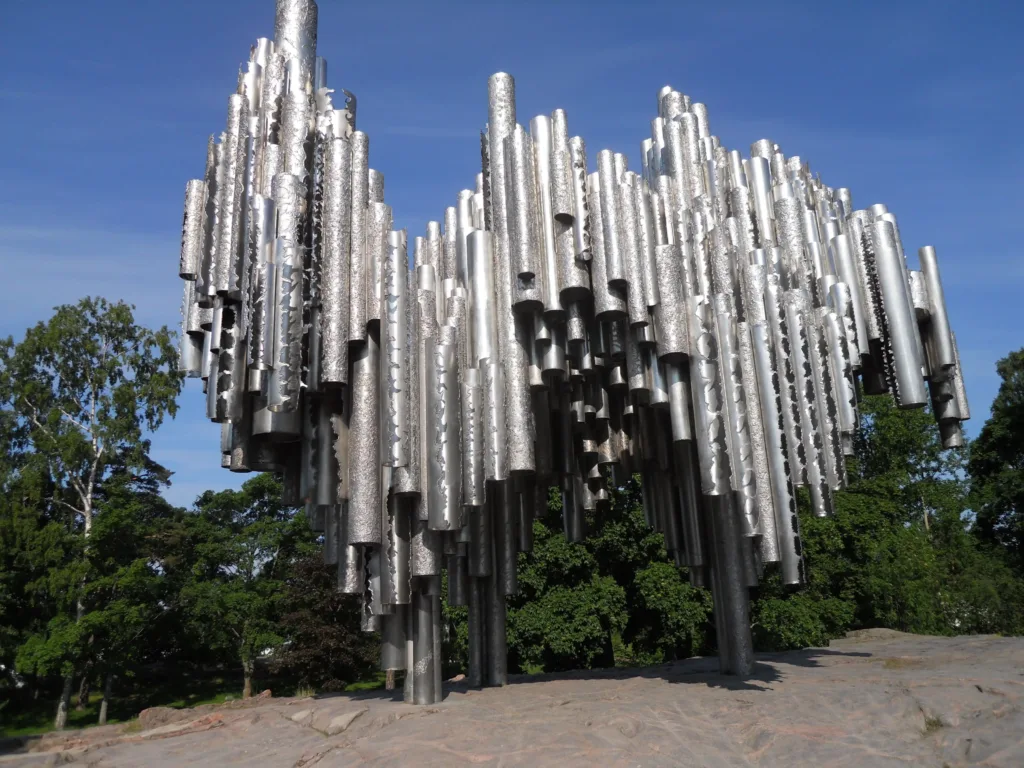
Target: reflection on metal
705, 321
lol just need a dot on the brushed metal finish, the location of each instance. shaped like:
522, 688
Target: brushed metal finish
908, 387
524, 200
547, 261
609, 301
939, 347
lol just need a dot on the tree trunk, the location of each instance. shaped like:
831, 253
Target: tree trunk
389, 681
247, 670
107, 683
65, 702
83, 692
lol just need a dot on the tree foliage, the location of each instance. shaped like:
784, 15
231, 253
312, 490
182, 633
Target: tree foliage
232, 578
325, 647
77, 395
997, 465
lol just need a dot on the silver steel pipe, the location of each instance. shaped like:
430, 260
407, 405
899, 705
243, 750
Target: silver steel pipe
364, 445
394, 379
541, 340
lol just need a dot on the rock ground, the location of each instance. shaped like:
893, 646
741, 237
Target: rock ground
876, 698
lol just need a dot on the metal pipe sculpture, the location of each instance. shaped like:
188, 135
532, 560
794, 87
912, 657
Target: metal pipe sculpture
702, 323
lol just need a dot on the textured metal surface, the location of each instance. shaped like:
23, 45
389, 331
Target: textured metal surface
358, 277
295, 29
230, 193
192, 230
394, 379
444, 438
364, 468
705, 322
378, 228
582, 224
472, 438
396, 547
547, 262
393, 639
427, 550
423, 679
522, 201
426, 335
283, 389
260, 301
939, 345
350, 558
786, 372
906, 383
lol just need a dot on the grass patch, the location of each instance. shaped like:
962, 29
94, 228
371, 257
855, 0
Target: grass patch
932, 724
374, 684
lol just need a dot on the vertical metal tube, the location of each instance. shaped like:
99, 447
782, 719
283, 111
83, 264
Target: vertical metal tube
523, 201
350, 558
393, 639
733, 598
941, 354
497, 643
396, 546
909, 387
504, 511
810, 423
284, 383
615, 268
475, 626
423, 649
364, 445
472, 438
295, 30
394, 415
358, 278
426, 548
443, 411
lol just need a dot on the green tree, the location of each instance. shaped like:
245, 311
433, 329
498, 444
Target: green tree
897, 553
565, 612
997, 465
667, 618
237, 549
325, 646
34, 548
78, 394
127, 587
616, 596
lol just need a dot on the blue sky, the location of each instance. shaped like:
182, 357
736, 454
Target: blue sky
107, 105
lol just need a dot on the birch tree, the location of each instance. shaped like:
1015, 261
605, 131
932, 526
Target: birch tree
80, 393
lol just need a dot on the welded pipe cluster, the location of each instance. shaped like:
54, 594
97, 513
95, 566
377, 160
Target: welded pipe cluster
702, 322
